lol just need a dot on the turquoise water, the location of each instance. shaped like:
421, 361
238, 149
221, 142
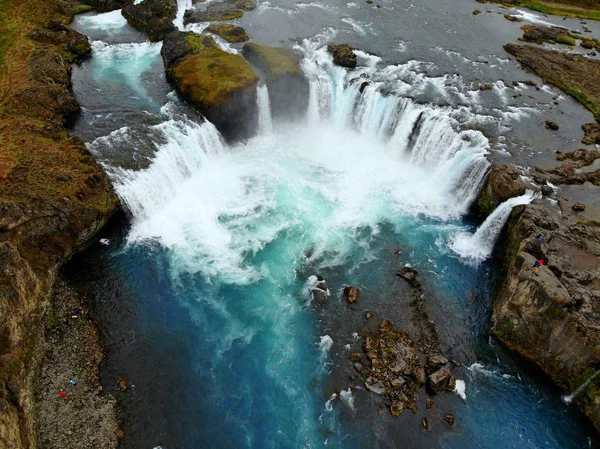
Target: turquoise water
203, 292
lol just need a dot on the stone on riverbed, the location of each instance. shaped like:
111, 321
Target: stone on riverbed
352, 294
438, 381
153, 17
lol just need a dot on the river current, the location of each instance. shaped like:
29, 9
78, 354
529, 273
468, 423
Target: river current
202, 290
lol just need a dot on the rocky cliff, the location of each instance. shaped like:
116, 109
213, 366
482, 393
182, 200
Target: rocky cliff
288, 87
551, 317
220, 85
53, 196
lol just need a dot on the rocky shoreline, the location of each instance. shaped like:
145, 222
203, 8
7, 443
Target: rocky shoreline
549, 315
54, 198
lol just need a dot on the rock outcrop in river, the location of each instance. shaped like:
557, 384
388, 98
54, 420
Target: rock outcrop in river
552, 317
288, 87
53, 195
218, 11
222, 86
503, 182
153, 17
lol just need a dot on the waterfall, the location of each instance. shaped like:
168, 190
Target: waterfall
265, 123
182, 7
568, 399
425, 135
479, 246
187, 145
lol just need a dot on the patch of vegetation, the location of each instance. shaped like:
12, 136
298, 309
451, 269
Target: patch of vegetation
199, 42
8, 29
229, 32
579, 95
210, 77
80, 9
275, 61
582, 12
566, 39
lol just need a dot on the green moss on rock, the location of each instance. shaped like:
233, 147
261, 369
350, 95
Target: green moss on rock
210, 77
229, 32
274, 61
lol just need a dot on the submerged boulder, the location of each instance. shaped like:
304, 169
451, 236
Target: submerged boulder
352, 294
438, 381
222, 86
229, 32
409, 274
219, 11
503, 182
540, 34
343, 55
288, 87
153, 17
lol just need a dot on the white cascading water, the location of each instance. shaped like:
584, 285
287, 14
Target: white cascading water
362, 159
478, 246
265, 121
182, 7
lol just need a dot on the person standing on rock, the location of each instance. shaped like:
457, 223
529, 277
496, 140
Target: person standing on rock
62, 394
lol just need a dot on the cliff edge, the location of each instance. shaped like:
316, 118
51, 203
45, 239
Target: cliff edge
53, 195
551, 317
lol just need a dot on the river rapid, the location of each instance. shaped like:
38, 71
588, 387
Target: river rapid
202, 289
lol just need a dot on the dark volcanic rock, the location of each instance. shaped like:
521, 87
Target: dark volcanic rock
409, 274
219, 11
438, 381
449, 418
320, 292
540, 34
352, 294
551, 125
288, 87
343, 55
592, 134
220, 85
552, 318
396, 370
503, 182
575, 74
578, 207
153, 17
568, 172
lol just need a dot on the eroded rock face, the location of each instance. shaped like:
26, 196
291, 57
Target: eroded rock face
343, 55
153, 17
54, 197
503, 182
220, 85
288, 87
551, 318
